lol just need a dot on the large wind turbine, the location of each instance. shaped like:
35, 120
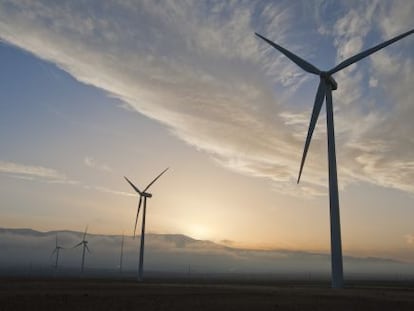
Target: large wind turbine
145, 195
326, 85
57, 252
85, 247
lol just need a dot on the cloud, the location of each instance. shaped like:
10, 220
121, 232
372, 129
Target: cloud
49, 175
107, 190
373, 82
92, 163
197, 68
31, 172
396, 17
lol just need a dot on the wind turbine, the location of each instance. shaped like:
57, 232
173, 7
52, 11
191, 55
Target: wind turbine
326, 85
85, 247
142, 194
56, 251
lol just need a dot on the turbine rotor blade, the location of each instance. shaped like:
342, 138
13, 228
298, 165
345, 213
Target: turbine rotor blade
150, 184
54, 251
136, 219
132, 185
77, 245
294, 58
368, 52
84, 235
320, 95
87, 248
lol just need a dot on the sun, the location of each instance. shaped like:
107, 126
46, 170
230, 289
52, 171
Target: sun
198, 231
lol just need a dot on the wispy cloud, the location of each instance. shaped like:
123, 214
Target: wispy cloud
49, 175
108, 190
31, 172
93, 163
197, 68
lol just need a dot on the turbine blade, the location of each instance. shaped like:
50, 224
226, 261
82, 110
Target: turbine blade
77, 245
136, 219
54, 251
132, 185
368, 52
56, 241
87, 248
320, 94
150, 184
86, 231
294, 58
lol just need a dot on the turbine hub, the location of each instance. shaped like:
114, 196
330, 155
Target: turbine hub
328, 79
147, 195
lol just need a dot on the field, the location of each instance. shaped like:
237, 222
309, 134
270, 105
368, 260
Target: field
98, 294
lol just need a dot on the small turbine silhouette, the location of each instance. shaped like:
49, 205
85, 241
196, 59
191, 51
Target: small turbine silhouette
57, 252
85, 247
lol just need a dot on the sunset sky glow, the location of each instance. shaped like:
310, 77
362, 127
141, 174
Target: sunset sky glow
92, 91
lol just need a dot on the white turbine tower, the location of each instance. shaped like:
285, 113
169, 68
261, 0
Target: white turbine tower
145, 195
85, 247
57, 252
326, 85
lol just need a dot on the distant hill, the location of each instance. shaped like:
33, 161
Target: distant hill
175, 253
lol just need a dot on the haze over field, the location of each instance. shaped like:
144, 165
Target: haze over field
93, 91
29, 249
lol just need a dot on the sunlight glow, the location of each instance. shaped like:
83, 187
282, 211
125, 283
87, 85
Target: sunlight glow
198, 231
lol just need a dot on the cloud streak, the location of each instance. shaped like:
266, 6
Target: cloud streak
107, 190
197, 68
92, 163
31, 172
49, 175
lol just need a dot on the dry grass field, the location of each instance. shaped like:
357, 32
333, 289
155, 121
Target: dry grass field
83, 294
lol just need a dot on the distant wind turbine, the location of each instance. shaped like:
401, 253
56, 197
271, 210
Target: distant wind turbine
85, 247
57, 252
145, 195
326, 85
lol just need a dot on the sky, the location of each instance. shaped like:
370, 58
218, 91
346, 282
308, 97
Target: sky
94, 91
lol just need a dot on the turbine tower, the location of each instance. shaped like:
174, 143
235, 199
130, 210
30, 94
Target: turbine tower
326, 85
143, 195
57, 252
85, 247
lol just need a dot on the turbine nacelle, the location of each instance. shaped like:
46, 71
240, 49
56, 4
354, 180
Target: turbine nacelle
146, 195
329, 80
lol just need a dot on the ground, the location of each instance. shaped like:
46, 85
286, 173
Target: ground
99, 294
